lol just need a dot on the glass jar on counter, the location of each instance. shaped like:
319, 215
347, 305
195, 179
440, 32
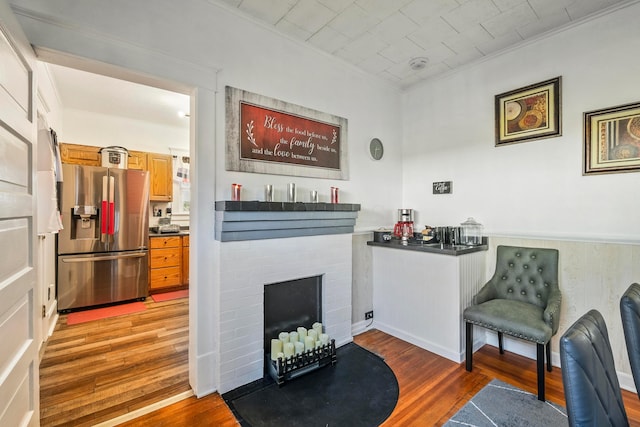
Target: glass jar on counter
471, 232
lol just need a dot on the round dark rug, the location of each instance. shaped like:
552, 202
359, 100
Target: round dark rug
360, 390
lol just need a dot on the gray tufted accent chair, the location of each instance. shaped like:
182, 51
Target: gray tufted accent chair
589, 378
522, 300
630, 312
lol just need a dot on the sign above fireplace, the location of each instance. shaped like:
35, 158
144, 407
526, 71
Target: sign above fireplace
267, 135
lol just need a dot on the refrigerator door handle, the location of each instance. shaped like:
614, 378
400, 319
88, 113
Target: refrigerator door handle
112, 205
104, 210
104, 258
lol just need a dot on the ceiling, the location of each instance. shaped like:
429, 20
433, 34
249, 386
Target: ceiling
379, 36
94, 93
382, 36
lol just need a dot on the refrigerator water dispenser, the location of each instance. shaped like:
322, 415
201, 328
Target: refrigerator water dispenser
84, 222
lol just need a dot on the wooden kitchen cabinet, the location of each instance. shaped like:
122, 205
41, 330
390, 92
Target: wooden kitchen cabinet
165, 263
76, 154
138, 160
185, 260
160, 167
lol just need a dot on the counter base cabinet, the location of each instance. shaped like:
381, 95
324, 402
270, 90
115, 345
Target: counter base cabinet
419, 297
166, 264
185, 260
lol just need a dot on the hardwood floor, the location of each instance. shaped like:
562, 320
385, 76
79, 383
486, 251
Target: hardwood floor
432, 388
95, 371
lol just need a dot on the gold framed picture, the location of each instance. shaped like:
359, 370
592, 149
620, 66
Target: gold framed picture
612, 140
529, 113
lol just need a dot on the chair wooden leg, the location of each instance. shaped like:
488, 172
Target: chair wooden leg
469, 345
549, 366
540, 363
500, 343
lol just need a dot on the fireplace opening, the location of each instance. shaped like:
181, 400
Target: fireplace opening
291, 309
291, 304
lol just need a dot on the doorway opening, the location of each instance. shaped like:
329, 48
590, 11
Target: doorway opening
103, 111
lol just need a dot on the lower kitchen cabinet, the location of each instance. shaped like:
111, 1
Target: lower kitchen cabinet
166, 264
185, 260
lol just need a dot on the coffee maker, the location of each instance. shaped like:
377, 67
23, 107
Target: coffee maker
404, 227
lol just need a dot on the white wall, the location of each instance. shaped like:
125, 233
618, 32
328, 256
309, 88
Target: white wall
183, 42
534, 188
534, 193
102, 130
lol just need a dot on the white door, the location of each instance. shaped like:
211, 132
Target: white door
19, 300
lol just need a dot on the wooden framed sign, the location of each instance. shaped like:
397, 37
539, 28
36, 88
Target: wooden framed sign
266, 135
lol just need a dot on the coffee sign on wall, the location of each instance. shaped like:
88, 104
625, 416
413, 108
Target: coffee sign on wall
266, 135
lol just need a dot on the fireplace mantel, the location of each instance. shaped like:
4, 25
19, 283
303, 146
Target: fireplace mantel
255, 220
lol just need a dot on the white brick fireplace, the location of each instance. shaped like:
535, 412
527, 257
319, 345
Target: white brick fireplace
245, 267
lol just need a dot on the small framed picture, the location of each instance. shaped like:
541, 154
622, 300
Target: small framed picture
529, 113
612, 140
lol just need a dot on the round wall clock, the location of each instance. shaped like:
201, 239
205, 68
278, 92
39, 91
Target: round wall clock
376, 149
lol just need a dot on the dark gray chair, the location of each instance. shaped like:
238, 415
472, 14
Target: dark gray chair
591, 387
630, 312
522, 300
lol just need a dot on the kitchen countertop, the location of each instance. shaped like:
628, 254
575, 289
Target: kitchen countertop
180, 233
435, 248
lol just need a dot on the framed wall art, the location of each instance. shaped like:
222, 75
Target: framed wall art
529, 113
612, 140
267, 135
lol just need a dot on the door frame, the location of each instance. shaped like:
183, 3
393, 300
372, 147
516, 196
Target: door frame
202, 104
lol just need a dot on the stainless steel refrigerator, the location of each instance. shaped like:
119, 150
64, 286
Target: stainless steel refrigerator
103, 248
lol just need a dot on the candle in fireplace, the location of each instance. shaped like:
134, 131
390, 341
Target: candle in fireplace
302, 334
289, 349
317, 327
293, 336
299, 347
284, 337
276, 347
309, 343
324, 339
313, 334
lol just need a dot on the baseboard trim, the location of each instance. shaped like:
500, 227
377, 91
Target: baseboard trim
146, 410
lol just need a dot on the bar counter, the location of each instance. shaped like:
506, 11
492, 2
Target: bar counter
434, 248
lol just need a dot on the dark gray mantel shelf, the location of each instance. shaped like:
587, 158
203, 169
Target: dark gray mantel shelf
254, 220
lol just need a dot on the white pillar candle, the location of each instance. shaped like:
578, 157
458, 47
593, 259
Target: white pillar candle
302, 334
318, 343
317, 327
299, 347
324, 339
309, 343
293, 336
289, 349
284, 337
313, 334
276, 347
281, 355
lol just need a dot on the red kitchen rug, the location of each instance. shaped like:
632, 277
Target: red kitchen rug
167, 296
105, 312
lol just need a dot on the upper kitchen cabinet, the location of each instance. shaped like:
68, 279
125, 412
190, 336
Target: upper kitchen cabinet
160, 167
138, 160
80, 154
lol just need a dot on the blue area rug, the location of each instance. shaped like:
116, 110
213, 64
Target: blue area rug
501, 404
